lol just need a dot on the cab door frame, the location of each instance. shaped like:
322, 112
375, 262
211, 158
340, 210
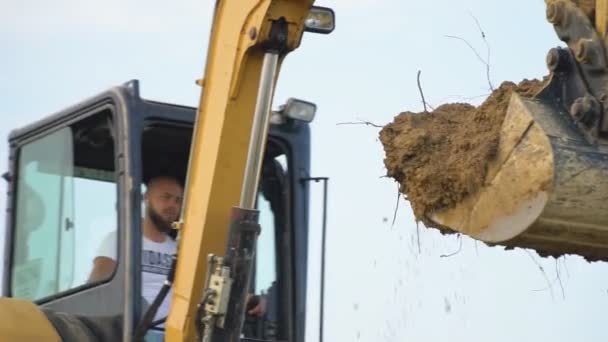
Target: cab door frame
117, 295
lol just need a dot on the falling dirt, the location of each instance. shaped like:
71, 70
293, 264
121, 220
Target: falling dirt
440, 157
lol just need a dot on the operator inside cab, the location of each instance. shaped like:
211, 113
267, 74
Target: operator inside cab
163, 200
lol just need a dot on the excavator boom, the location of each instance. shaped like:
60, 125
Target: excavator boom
248, 42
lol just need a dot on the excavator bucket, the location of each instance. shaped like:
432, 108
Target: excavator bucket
527, 168
546, 189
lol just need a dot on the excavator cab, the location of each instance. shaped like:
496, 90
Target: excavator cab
79, 175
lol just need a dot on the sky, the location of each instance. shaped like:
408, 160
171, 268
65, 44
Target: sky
385, 282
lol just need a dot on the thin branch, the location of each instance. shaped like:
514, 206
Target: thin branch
481, 59
546, 287
457, 251
396, 207
540, 267
359, 123
470, 46
566, 267
424, 103
483, 36
559, 279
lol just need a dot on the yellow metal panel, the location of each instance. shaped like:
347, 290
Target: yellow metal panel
221, 140
21, 320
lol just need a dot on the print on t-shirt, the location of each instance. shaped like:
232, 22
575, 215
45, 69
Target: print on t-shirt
156, 262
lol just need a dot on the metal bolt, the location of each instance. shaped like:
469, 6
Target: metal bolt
585, 110
253, 32
592, 105
556, 12
552, 59
557, 59
576, 109
583, 50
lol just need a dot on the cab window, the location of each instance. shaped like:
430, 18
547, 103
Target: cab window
265, 261
65, 204
269, 278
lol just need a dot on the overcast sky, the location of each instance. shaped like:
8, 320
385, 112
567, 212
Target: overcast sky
381, 287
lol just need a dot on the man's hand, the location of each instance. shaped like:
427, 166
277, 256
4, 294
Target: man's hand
256, 305
103, 267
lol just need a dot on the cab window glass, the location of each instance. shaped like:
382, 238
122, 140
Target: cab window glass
65, 203
266, 273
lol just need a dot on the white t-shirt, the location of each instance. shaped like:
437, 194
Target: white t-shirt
156, 262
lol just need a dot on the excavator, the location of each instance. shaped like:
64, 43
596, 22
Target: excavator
79, 173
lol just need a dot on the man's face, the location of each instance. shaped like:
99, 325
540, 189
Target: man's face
164, 200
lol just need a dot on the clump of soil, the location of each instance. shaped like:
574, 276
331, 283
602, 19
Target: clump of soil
440, 157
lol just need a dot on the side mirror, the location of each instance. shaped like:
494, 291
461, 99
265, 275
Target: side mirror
320, 20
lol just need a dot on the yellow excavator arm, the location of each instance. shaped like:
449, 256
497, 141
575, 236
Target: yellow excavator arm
248, 42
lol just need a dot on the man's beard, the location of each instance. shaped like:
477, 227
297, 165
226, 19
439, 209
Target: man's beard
159, 222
